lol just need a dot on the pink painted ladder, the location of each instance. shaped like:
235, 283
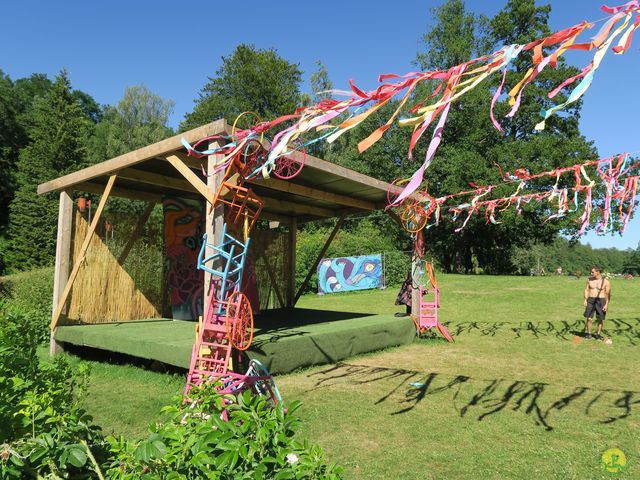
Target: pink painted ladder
428, 315
212, 351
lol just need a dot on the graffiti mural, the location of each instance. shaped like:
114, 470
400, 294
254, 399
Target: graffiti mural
345, 274
183, 229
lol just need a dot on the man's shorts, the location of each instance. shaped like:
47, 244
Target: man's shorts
595, 305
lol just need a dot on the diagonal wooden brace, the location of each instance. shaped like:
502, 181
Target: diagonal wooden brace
81, 254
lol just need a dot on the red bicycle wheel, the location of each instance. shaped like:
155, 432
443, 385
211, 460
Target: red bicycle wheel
287, 167
239, 321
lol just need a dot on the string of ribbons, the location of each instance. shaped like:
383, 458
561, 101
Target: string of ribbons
617, 177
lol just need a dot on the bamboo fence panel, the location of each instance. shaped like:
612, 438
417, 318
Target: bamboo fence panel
104, 292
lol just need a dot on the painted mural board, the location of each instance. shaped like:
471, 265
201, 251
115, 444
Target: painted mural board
347, 274
183, 229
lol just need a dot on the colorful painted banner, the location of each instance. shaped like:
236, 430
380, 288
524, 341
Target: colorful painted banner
346, 274
183, 229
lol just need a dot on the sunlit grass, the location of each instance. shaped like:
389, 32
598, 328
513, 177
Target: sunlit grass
518, 395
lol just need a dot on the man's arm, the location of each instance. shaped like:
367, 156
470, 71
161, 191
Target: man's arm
586, 293
607, 294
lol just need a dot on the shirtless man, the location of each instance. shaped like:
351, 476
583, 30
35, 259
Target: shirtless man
597, 294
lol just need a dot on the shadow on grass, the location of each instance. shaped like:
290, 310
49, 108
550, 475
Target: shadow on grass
628, 328
483, 398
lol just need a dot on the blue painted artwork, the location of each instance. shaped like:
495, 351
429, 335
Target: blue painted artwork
346, 274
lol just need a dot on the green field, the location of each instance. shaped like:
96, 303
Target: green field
516, 396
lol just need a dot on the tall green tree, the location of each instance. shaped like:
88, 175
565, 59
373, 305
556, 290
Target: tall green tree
58, 130
140, 118
472, 148
320, 83
16, 100
12, 137
250, 79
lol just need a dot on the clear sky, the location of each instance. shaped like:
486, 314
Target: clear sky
172, 47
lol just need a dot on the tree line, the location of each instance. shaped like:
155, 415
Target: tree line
48, 129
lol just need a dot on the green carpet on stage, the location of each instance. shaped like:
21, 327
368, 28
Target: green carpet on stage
284, 340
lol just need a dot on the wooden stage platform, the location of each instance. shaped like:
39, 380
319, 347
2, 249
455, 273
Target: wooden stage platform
284, 340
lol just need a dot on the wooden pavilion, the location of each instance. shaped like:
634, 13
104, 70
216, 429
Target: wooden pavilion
322, 190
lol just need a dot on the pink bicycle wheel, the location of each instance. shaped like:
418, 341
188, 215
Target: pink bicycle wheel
394, 189
288, 167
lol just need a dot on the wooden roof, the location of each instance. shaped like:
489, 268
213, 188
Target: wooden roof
321, 190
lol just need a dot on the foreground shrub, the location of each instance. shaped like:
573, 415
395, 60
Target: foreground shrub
257, 442
43, 430
31, 294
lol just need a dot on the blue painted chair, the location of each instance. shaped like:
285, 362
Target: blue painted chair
229, 256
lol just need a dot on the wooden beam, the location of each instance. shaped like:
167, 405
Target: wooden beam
323, 250
63, 257
309, 192
136, 233
214, 218
119, 192
192, 162
192, 178
291, 277
294, 209
82, 253
156, 179
272, 277
158, 149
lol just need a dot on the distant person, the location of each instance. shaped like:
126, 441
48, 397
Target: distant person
404, 296
559, 271
597, 294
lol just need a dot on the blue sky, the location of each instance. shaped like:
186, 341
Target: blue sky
173, 47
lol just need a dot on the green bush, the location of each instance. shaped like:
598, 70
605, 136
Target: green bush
45, 434
31, 294
257, 442
43, 430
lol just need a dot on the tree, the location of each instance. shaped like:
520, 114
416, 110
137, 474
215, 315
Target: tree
471, 147
250, 79
320, 83
16, 100
139, 119
12, 136
632, 263
58, 130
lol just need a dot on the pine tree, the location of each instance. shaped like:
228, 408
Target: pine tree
58, 131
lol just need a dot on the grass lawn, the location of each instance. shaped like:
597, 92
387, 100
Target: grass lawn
514, 397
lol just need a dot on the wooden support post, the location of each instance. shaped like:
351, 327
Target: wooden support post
81, 254
136, 233
63, 257
415, 290
214, 220
291, 280
272, 277
323, 250
395, 217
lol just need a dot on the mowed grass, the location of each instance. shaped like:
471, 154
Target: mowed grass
516, 396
